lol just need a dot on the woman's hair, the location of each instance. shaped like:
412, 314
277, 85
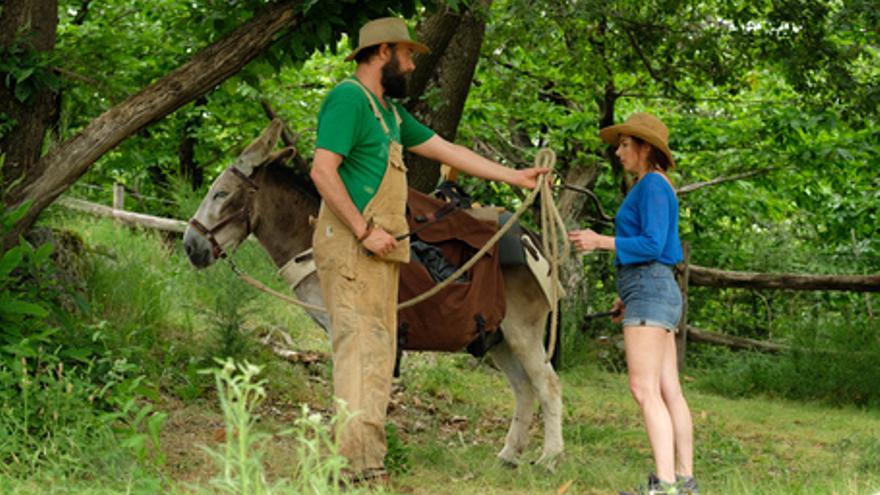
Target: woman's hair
656, 158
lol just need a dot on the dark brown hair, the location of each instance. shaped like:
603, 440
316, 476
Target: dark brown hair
369, 52
656, 158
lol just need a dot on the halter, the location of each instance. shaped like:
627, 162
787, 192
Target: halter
244, 213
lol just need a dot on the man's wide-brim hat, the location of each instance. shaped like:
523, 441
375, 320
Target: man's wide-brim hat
385, 30
644, 126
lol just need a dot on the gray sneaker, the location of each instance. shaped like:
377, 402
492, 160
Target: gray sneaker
655, 487
687, 485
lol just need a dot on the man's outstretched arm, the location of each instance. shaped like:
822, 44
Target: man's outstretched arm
457, 156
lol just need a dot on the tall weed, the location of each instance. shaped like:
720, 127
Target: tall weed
317, 466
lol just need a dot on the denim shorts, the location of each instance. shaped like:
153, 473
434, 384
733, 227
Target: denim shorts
651, 296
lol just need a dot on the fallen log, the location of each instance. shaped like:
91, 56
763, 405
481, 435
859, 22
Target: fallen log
698, 335
711, 277
139, 219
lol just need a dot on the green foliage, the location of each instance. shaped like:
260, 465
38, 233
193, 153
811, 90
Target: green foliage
240, 395
228, 314
397, 458
67, 398
27, 70
317, 464
832, 362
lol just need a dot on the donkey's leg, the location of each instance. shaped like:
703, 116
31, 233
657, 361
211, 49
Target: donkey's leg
518, 433
524, 332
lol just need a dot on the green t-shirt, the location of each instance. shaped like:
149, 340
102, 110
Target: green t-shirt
348, 127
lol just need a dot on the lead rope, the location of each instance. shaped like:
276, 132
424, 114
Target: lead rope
552, 228
551, 224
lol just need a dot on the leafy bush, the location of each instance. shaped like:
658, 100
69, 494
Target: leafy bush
836, 364
67, 400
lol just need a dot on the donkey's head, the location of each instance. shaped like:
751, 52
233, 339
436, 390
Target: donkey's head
227, 214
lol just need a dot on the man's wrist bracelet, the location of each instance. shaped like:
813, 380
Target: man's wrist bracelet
366, 233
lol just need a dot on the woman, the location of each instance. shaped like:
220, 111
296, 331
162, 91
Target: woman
649, 303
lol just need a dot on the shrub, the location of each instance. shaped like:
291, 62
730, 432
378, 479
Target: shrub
65, 396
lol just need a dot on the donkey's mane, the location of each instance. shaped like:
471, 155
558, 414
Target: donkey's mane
287, 177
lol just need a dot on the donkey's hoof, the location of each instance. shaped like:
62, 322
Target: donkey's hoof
508, 463
507, 458
548, 461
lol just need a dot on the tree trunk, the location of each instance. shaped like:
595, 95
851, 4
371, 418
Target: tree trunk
63, 165
710, 277
455, 41
26, 25
191, 171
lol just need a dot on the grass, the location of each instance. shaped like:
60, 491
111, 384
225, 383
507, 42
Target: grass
449, 412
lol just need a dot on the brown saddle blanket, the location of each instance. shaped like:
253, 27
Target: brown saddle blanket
457, 315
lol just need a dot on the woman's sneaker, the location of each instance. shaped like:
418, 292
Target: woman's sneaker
655, 487
687, 485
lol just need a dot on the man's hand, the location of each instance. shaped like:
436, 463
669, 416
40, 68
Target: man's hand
379, 242
620, 309
528, 177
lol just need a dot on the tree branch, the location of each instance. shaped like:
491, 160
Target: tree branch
647, 63
65, 163
81, 14
720, 180
603, 217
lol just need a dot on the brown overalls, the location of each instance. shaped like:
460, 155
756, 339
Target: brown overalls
360, 293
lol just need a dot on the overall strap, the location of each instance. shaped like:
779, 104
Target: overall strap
373, 105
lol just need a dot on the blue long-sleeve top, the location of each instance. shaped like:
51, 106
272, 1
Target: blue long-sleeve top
647, 224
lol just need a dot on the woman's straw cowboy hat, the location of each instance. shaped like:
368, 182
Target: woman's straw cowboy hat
385, 30
641, 125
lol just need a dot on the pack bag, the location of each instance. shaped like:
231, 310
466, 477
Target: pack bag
466, 313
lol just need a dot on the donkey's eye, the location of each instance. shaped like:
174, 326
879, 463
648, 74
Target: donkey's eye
220, 195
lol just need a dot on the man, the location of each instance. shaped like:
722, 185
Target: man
359, 171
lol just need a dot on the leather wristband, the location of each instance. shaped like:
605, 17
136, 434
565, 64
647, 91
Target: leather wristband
367, 232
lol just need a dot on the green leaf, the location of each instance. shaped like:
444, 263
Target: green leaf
23, 74
10, 261
23, 308
23, 92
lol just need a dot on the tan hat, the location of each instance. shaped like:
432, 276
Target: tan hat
385, 30
641, 125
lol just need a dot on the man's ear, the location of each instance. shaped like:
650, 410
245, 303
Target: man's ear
385, 52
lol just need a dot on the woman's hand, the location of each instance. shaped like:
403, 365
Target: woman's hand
588, 240
619, 308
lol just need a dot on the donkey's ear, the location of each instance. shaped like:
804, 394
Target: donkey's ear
258, 152
282, 156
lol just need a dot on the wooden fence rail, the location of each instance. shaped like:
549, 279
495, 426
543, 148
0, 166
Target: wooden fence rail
711, 277
693, 275
130, 218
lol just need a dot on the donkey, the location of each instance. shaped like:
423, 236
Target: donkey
258, 194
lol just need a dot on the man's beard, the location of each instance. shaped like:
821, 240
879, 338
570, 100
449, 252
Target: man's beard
393, 80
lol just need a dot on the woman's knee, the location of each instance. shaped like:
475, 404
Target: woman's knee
644, 391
